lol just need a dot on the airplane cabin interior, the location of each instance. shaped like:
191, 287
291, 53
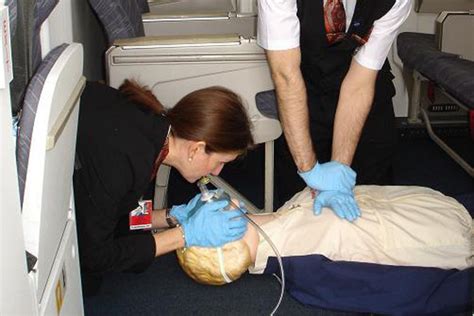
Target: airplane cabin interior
50, 49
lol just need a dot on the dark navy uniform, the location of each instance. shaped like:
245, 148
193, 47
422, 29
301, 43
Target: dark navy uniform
117, 145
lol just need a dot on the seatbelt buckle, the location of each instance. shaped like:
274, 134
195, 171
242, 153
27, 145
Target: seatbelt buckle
140, 218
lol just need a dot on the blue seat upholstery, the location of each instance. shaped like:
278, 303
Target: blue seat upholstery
121, 18
28, 114
451, 73
419, 52
267, 103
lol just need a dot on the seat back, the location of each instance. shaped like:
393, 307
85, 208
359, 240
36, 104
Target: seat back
449, 27
28, 115
13, 15
41, 12
436, 6
197, 17
45, 155
173, 66
120, 18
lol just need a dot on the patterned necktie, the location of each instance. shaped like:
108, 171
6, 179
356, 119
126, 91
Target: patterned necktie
334, 21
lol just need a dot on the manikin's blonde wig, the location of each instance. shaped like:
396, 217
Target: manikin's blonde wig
215, 266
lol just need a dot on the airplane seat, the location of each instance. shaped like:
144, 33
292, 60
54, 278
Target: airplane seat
120, 18
45, 158
193, 17
441, 67
13, 15
172, 66
42, 10
267, 103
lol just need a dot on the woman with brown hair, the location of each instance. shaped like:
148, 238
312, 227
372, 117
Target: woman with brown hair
123, 137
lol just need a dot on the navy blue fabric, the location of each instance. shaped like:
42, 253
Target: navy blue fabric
467, 200
418, 51
120, 18
267, 103
317, 281
28, 114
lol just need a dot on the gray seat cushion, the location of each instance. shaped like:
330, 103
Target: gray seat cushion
418, 51
267, 103
120, 18
42, 10
28, 114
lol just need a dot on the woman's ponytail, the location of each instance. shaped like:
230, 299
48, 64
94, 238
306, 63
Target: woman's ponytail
141, 96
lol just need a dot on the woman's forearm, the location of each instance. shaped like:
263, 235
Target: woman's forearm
168, 240
158, 219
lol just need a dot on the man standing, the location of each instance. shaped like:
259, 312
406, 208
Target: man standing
334, 89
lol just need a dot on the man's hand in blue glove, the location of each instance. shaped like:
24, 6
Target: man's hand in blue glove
180, 212
331, 176
211, 226
343, 204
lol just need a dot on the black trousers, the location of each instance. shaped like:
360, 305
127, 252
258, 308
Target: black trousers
373, 158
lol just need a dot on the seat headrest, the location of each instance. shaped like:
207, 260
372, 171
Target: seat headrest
120, 18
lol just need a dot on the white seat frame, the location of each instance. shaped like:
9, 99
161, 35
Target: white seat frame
48, 213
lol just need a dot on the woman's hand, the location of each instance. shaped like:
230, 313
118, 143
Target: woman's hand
212, 226
180, 212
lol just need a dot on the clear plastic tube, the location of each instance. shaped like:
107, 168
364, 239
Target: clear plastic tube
206, 195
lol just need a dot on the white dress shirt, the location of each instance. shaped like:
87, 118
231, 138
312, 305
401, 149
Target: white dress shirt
279, 28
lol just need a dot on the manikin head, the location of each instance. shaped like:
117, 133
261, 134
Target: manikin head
215, 266
221, 265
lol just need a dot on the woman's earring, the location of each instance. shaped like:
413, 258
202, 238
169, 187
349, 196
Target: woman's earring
190, 159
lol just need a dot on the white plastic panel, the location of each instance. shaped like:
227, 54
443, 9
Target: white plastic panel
63, 295
193, 17
48, 182
16, 293
448, 27
173, 71
213, 24
436, 6
184, 7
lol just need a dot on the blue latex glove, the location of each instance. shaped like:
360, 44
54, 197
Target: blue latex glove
343, 204
180, 212
211, 226
331, 176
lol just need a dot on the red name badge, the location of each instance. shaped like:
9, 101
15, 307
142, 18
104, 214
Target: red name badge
140, 218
